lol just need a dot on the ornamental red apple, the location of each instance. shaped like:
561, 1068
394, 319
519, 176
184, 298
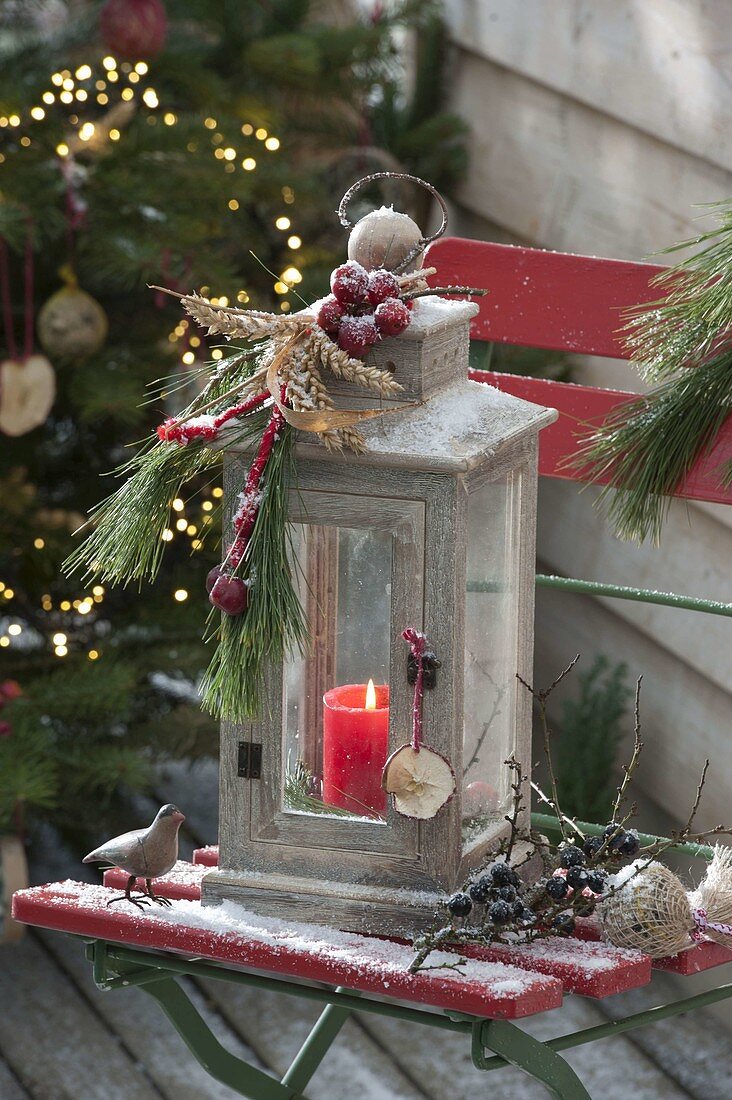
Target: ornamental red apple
212, 576
229, 594
392, 317
329, 315
382, 285
349, 283
357, 334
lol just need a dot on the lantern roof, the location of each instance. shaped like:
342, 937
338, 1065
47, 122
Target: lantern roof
457, 426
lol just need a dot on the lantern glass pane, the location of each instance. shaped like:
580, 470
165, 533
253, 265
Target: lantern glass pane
335, 729
491, 658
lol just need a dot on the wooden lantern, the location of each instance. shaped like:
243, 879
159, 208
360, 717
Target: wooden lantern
432, 528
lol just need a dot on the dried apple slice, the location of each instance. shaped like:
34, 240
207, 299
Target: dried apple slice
421, 782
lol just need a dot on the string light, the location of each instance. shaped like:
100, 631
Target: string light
25, 141
280, 287
181, 524
230, 153
86, 133
207, 506
85, 607
272, 143
291, 275
196, 544
93, 654
62, 149
294, 242
8, 593
209, 123
15, 629
81, 95
134, 78
4, 641
59, 639
98, 590
39, 543
178, 504
14, 120
102, 99
217, 353
127, 94
83, 72
188, 358
283, 222
180, 595
114, 135
57, 79
233, 204
37, 113
167, 535
169, 118
191, 529
242, 296
109, 63
61, 650
247, 129
66, 97
249, 164
261, 133
217, 491
65, 605
113, 76
48, 97
141, 67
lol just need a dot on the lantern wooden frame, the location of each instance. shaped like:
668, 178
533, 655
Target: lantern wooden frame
414, 481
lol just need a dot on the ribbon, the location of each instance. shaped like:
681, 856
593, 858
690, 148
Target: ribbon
417, 642
702, 923
316, 420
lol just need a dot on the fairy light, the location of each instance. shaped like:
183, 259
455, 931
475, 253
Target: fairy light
62, 149
230, 152
109, 62
98, 590
188, 357
100, 85
81, 95
4, 641
229, 167
48, 97
249, 164
223, 300
285, 307
178, 505
134, 78
25, 141
196, 544
65, 605
39, 543
294, 242
260, 133
288, 195
61, 650
87, 131
181, 524
83, 72
167, 535
114, 135
93, 654
219, 154
59, 639
8, 593
15, 629
207, 506
180, 595
85, 607
272, 143
280, 287
57, 79
217, 491
141, 67
3, 121
37, 113
47, 603
247, 129
195, 341
14, 120
209, 123
282, 222
127, 94
169, 118
68, 84
233, 204
217, 353
242, 296
191, 529
113, 76
102, 99
291, 275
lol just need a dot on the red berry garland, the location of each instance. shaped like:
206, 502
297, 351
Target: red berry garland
364, 307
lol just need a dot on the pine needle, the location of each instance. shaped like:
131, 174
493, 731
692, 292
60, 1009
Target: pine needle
274, 622
647, 447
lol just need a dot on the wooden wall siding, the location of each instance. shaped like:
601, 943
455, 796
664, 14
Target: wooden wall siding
595, 128
625, 58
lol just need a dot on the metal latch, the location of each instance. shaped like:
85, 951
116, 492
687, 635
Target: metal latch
250, 760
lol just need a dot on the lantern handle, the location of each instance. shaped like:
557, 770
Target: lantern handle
423, 241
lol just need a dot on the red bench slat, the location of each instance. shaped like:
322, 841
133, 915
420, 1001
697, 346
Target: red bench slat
361, 963
592, 969
581, 407
542, 299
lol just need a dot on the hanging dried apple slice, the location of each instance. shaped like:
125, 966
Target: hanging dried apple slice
421, 782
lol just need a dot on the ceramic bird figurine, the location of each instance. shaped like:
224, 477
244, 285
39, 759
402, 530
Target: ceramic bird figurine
144, 853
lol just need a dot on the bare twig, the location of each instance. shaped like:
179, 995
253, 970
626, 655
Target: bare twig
629, 769
517, 807
545, 799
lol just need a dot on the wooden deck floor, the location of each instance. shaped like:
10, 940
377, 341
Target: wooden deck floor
60, 1039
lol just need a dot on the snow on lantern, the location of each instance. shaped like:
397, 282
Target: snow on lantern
430, 530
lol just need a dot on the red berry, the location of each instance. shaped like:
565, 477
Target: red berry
392, 317
349, 283
357, 334
213, 575
229, 594
329, 315
382, 285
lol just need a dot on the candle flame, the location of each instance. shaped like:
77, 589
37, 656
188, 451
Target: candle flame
370, 696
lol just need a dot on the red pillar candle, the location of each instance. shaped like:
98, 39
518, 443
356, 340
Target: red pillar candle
355, 748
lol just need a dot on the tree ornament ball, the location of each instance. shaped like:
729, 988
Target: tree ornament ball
383, 239
133, 29
72, 324
27, 390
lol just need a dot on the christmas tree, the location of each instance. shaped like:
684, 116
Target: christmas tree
202, 149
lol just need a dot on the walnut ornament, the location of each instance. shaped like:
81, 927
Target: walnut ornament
27, 391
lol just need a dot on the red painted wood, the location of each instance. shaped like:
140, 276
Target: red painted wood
545, 299
360, 963
592, 969
582, 407
208, 856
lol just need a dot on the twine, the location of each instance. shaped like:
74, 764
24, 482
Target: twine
417, 643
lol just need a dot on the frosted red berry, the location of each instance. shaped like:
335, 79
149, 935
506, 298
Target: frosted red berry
392, 317
382, 285
329, 315
213, 575
357, 334
349, 283
229, 594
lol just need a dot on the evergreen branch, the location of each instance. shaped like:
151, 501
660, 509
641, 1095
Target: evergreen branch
274, 621
646, 448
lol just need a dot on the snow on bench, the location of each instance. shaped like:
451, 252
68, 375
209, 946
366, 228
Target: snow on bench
231, 935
